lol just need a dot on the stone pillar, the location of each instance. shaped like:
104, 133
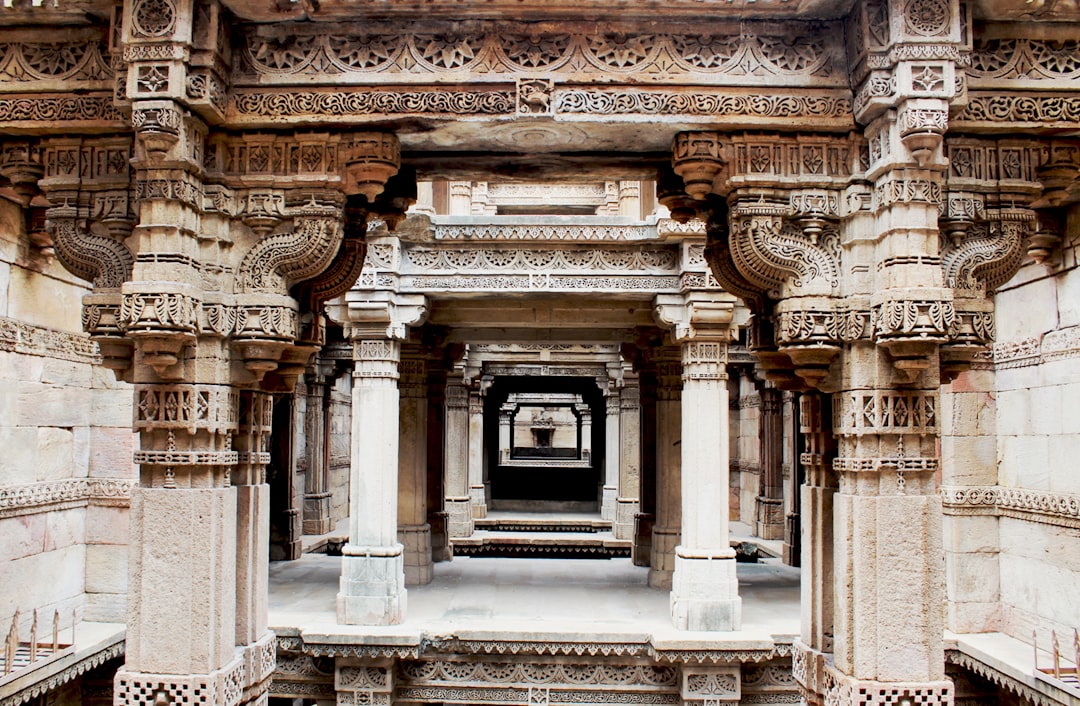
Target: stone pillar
612, 439
641, 554
506, 431
628, 501
584, 415
425, 199
178, 647
477, 484
460, 198
316, 423
458, 502
705, 589
817, 532
630, 199
667, 526
437, 516
372, 566
252, 443
769, 511
414, 532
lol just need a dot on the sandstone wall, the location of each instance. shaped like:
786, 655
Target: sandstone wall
65, 447
1037, 386
340, 426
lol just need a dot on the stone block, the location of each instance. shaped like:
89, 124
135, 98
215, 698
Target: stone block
972, 577
181, 574
65, 528
1064, 453
43, 580
45, 301
106, 524
29, 367
969, 460
106, 568
55, 371
1024, 462
55, 453
111, 407
1014, 411
969, 617
53, 405
971, 533
23, 535
106, 607
18, 464
1017, 318
1068, 298
1046, 410
111, 452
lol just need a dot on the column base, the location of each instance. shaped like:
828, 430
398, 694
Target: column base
607, 503
419, 567
317, 514
626, 509
641, 552
440, 537
705, 592
372, 586
769, 518
662, 563
460, 518
142, 688
479, 501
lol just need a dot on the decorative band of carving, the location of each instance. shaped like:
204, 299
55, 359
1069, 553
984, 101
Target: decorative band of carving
345, 103
63, 494
978, 666
1012, 108
1062, 344
552, 232
191, 407
898, 464
185, 458
20, 337
871, 412
53, 110
719, 103
1062, 509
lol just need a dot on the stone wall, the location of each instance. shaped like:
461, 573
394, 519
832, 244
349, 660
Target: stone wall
1037, 360
65, 432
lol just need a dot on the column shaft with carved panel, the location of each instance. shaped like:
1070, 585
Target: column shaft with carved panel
478, 483
769, 512
610, 490
414, 532
628, 501
667, 526
458, 502
373, 569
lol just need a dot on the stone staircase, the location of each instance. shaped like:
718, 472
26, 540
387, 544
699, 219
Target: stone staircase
546, 535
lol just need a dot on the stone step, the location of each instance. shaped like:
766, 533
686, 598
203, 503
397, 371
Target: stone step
564, 544
531, 524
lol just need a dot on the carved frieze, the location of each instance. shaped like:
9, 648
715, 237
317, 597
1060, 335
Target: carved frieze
495, 51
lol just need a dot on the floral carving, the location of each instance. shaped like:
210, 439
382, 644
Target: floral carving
534, 51
153, 18
1039, 59
718, 104
103, 260
927, 18
276, 261
375, 102
987, 256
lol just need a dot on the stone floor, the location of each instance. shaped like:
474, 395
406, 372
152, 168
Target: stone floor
560, 598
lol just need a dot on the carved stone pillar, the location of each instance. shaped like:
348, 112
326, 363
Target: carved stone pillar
372, 566
816, 637
414, 532
437, 516
185, 461
641, 554
316, 420
667, 527
477, 480
506, 431
705, 589
610, 491
458, 502
584, 415
628, 501
769, 513
372, 588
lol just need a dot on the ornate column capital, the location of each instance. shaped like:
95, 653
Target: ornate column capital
696, 315
379, 314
